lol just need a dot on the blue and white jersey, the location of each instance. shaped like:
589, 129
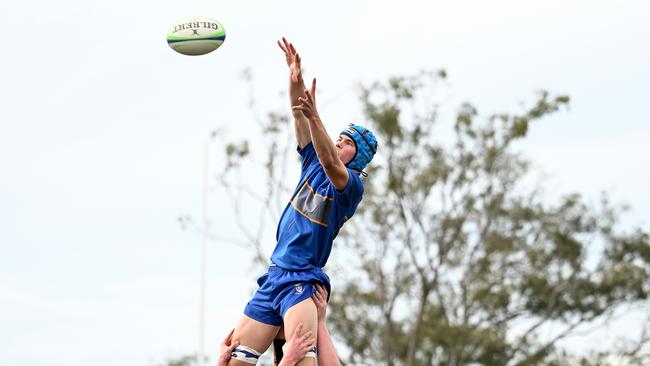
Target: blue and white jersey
313, 216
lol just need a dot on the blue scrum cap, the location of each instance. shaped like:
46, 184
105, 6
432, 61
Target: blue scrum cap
366, 145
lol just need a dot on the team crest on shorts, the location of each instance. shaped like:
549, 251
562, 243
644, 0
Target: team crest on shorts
299, 288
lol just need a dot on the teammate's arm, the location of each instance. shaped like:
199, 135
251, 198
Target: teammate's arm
326, 352
297, 347
226, 349
325, 149
296, 90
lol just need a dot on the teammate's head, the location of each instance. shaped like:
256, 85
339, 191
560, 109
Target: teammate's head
357, 145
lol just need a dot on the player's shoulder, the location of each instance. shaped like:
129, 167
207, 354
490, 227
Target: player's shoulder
356, 177
306, 149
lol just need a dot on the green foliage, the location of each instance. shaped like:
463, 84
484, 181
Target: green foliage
454, 254
453, 259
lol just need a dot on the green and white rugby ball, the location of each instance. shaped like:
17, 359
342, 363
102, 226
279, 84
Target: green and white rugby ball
196, 36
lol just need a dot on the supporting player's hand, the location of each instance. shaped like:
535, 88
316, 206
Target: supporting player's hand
307, 104
320, 299
293, 58
297, 347
226, 349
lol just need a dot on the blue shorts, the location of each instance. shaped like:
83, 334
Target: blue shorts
280, 290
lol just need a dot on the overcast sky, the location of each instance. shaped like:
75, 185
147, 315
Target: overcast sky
103, 126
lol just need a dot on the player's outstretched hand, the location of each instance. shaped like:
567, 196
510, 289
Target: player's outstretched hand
226, 349
307, 104
320, 299
293, 58
297, 347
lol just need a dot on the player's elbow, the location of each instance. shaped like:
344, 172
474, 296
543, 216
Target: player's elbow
328, 164
338, 175
331, 162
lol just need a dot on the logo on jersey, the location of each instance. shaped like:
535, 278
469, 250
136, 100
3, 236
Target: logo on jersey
299, 288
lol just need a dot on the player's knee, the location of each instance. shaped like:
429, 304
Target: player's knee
245, 354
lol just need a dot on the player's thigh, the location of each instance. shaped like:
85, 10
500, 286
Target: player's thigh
280, 334
304, 312
253, 334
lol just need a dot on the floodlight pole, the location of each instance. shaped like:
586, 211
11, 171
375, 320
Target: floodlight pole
204, 233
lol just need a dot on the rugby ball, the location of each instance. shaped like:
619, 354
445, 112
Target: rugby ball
196, 36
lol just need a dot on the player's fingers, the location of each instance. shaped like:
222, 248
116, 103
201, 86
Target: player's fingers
233, 346
296, 332
317, 295
322, 291
319, 301
309, 94
282, 47
308, 346
228, 337
313, 88
305, 337
307, 97
306, 102
285, 47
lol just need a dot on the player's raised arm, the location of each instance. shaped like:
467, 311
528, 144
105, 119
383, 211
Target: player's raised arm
325, 148
296, 90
